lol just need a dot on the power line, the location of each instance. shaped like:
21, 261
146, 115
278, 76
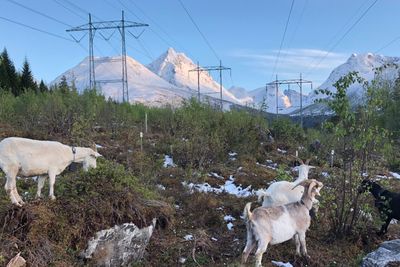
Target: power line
38, 12
388, 44
198, 29
69, 9
283, 38
316, 57
36, 29
158, 25
76, 7
343, 36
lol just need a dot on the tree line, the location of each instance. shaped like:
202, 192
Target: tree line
18, 82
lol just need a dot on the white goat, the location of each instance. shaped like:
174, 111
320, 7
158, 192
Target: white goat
275, 225
282, 192
27, 157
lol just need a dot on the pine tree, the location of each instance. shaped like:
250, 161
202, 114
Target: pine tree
27, 81
9, 79
63, 85
43, 87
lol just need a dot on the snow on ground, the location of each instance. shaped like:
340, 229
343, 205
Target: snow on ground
272, 166
282, 264
188, 237
230, 226
232, 156
395, 175
282, 151
229, 218
168, 162
325, 174
216, 175
161, 187
229, 187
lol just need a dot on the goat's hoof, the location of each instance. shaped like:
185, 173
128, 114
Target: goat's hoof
52, 198
17, 204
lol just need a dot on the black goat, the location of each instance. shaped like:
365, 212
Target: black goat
388, 203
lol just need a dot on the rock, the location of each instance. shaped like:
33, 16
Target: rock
118, 246
17, 261
387, 254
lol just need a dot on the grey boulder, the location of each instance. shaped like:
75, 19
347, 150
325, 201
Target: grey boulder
118, 246
388, 254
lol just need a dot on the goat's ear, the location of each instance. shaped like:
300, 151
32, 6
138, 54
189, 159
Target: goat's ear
311, 167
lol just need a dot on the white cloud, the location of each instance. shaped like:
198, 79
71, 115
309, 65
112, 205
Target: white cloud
293, 59
317, 64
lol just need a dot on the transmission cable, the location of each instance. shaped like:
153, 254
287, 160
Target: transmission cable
38, 12
198, 29
283, 39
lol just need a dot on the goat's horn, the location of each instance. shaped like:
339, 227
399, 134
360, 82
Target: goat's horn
311, 186
93, 146
302, 183
298, 159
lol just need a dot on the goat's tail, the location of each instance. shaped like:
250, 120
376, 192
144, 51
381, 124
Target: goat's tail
246, 212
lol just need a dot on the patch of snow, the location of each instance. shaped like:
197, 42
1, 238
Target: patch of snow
395, 175
394, 221
229, 218
214, 239
168, 162
282, 264
230, 226
269, 161
216, 175
161, 187
229, 187
99, 146
182, 260
380, 177
188, 237
177, 207
282, 151
364, 174
232, 156
273, 166
325, 174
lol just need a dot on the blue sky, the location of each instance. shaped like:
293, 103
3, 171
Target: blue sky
246, 35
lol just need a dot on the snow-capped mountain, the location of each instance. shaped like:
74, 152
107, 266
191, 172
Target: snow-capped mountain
144, 86
174, 67
366, 65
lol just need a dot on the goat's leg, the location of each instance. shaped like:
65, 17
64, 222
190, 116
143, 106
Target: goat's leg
41, 181
11, 187
262, 247
52, 180
303, 248
250, 244
297, 242
385, 226
18, 197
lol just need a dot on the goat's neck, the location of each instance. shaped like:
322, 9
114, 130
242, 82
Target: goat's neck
299, 180
376, 190
307, 201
